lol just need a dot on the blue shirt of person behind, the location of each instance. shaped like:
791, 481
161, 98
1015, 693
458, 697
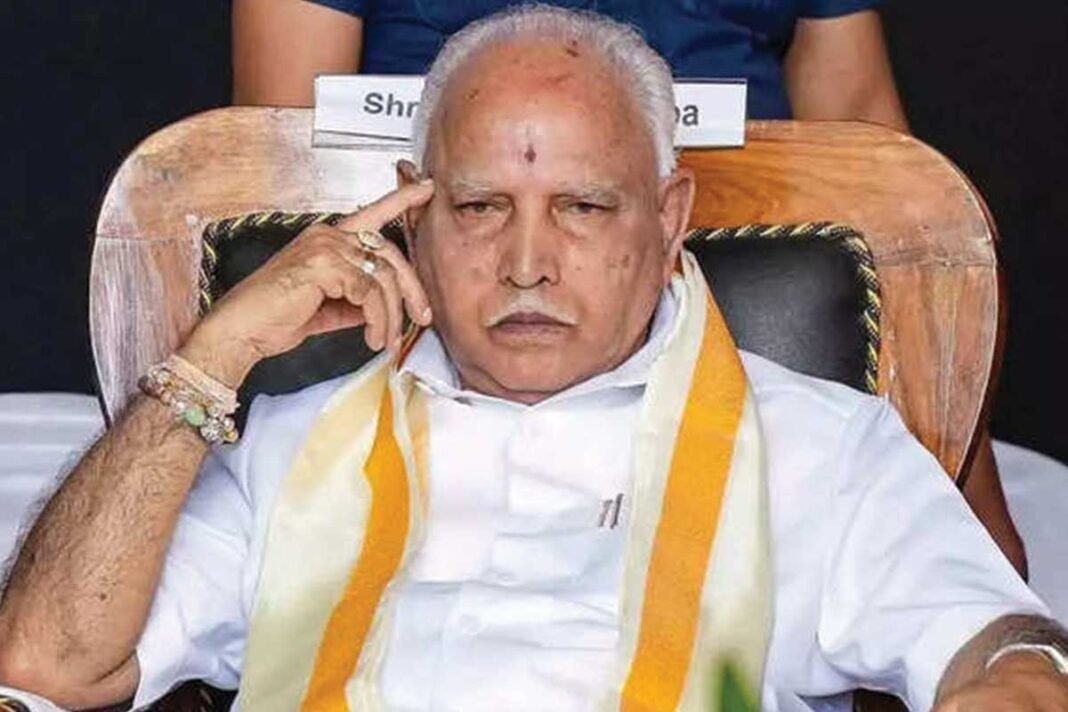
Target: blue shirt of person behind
700, 39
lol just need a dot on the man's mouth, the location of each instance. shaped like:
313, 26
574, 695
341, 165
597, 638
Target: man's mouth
530, 319
521, 322
530, 325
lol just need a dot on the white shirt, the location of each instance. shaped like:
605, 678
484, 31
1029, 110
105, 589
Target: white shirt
881, 572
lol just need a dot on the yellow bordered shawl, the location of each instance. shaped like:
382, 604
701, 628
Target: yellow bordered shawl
695, 603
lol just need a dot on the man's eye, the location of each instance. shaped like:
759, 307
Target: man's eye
474, 207
585, 208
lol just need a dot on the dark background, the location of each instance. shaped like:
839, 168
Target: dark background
83, 82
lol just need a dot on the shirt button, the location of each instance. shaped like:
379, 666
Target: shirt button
468, 624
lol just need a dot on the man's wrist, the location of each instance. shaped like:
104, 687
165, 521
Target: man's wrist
225, 358
1021, 653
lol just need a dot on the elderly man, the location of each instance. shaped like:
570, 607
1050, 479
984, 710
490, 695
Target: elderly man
570, 493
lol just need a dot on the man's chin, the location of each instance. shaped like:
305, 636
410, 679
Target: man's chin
528, 381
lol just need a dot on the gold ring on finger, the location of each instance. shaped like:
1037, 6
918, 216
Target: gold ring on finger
370, 239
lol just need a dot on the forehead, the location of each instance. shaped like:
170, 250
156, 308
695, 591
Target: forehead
542, 102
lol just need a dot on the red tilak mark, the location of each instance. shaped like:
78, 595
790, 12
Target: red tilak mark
530, 154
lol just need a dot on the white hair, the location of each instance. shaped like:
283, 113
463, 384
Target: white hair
642, 72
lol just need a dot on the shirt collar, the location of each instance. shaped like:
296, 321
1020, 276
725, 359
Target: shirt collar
430, 365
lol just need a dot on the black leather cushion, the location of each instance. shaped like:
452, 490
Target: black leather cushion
804, 296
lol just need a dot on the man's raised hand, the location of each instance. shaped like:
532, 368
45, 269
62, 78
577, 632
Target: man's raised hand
324, 280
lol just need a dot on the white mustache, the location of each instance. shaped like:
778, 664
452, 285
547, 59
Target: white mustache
529, 303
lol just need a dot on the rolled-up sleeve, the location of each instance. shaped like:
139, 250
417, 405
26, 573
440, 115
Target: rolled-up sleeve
197, 624
818, 9
912, 575
349, 7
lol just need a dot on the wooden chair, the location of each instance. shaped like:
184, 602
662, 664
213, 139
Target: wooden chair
928, 229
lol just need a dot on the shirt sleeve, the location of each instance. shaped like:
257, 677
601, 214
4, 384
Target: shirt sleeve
825, 9
196, 626
913, 574
349, 7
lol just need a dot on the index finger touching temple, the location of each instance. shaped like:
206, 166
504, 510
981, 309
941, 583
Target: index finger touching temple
389, 206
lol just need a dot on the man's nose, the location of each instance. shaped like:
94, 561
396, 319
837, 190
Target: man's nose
531, 251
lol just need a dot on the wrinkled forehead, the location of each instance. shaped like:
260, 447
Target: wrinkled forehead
522, 65
547, 91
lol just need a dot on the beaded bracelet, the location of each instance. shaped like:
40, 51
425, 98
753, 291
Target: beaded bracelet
197, 399
217, 392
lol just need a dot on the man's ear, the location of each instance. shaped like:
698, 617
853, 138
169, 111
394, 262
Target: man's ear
407, 174
676, 202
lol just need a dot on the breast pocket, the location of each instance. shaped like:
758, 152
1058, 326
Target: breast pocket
448, 16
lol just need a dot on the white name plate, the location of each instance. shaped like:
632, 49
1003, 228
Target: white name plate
375, 112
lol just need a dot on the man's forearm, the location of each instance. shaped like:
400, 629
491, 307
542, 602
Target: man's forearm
79, 592
82, 586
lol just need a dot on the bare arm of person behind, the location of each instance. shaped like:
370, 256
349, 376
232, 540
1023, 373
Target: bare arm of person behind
280, 45
838, 68
81, 589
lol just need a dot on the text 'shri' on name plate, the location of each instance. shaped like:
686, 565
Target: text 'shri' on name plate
375, 112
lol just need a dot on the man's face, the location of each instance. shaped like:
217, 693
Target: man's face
550, 236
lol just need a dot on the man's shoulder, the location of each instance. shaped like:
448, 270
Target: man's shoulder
304, 405
774, 385
811, 425
274, 433
297, 405
277, 425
